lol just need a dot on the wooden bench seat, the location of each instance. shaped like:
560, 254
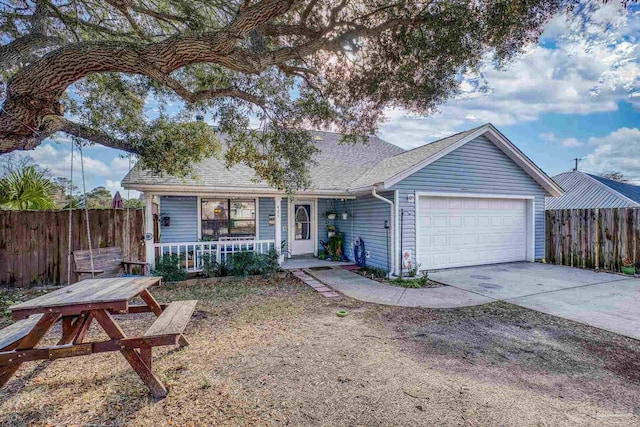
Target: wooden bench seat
107, 262
12, 334
173, 319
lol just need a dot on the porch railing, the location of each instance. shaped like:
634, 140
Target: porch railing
192, 254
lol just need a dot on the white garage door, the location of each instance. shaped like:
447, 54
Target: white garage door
456, 232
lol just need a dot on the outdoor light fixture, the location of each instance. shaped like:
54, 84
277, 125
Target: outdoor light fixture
166, 221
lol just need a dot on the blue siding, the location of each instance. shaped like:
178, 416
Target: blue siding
366, 220
266, 207
184, 224
369, 215
476, 167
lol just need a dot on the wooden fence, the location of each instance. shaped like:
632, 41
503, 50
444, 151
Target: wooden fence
34, 244
593, 238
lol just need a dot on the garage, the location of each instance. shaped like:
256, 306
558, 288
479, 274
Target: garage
465, 231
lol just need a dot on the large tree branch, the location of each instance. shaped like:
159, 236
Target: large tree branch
12, 53
53, 124
35, 91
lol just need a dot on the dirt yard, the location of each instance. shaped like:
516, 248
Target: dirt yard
273, 352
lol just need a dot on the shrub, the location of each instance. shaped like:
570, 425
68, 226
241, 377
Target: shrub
377, 272
212, 268
414, 271
248, 262
170, 268
414, 282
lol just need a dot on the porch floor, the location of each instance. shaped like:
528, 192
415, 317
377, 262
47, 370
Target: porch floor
298, 262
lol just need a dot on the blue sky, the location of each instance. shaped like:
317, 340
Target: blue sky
574, 94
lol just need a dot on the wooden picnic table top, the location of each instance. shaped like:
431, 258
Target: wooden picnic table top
89, 293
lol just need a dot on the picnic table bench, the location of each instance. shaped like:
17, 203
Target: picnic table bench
76, 306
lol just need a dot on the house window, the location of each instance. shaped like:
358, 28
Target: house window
228, 218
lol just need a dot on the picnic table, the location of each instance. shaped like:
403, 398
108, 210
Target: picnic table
76, 307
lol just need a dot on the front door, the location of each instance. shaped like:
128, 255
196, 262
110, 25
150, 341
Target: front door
302, 240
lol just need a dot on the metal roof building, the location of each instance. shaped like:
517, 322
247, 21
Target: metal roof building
585, 191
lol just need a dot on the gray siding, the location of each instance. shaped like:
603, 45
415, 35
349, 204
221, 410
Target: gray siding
184, 224
476, 167
266, 207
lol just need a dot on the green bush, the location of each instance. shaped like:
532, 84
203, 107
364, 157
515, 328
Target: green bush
248, 262
212, 268
414, 271
414, 282
377, 272
170, 268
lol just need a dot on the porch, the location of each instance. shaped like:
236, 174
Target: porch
216, 226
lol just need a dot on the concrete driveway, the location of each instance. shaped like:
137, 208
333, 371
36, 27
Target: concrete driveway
604, 300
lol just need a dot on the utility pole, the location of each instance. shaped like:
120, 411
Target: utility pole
577, 160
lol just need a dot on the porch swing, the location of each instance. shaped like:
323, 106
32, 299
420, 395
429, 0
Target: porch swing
98, 262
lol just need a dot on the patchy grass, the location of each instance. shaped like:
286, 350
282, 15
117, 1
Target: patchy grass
273, 351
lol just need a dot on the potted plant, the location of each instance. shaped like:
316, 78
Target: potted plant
331, 215
345, 214
628, 266
331, 230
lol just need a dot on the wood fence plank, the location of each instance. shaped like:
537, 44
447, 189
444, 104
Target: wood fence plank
593, 238
34, 246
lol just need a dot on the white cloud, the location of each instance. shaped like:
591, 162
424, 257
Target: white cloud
578, 68
58, 161
120, 165
567, 142
114, 186
618, 151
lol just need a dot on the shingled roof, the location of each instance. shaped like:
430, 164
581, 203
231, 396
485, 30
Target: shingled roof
392, 166
337, 167
340, 168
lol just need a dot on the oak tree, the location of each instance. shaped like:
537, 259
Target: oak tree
112, 72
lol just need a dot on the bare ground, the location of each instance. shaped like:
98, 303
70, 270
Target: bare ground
267, 352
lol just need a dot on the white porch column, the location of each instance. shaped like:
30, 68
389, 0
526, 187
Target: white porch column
278, 234
148, 230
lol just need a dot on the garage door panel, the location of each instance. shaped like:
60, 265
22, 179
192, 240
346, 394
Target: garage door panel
455, 232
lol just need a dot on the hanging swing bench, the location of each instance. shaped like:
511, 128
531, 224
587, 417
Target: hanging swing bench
96, 262
107, 262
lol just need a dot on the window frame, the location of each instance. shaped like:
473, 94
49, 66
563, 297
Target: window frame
228, 202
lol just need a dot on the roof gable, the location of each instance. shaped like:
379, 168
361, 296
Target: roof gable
394, 169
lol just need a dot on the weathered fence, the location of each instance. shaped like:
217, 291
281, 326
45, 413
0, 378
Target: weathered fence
34, 244
593, 238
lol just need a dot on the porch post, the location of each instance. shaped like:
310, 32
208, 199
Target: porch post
278, 234
148, 230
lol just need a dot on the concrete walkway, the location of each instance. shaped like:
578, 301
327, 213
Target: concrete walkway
363, 289
606, 301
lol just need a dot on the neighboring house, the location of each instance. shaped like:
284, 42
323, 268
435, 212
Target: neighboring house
587, 191
471, 198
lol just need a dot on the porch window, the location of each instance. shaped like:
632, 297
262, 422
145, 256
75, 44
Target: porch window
228, 218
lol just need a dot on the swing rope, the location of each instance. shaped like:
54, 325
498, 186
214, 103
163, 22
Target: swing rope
70, 206
86, 209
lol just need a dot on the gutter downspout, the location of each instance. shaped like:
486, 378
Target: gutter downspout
392, 221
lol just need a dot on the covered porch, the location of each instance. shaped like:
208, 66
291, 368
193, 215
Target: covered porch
215, 226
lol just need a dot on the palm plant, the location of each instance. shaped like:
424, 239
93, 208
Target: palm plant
27, 188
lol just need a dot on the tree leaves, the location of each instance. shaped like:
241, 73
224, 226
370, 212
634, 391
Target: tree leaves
287, 65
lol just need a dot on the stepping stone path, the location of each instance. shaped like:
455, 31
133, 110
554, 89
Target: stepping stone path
318, 286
